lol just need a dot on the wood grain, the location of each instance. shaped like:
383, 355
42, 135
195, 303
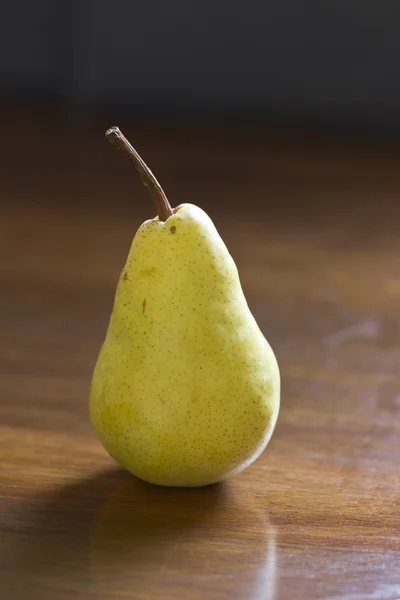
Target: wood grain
314, 231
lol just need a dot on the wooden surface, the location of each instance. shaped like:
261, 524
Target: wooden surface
314, 228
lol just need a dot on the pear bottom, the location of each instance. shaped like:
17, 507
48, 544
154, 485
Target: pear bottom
196, 449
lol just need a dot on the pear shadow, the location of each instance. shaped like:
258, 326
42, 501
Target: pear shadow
113, 534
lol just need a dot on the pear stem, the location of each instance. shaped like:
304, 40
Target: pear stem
163, 207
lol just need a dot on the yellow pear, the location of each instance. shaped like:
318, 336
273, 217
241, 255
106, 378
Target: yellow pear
186, 388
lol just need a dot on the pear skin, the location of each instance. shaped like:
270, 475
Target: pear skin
186, 389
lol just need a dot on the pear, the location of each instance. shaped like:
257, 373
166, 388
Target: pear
186, 389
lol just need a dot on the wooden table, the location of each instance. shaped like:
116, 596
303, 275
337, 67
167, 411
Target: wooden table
314, 228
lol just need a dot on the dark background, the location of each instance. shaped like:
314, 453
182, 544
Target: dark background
288, 62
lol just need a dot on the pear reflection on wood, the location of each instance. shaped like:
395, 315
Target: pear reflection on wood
186, 388
111, 535
147, 539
